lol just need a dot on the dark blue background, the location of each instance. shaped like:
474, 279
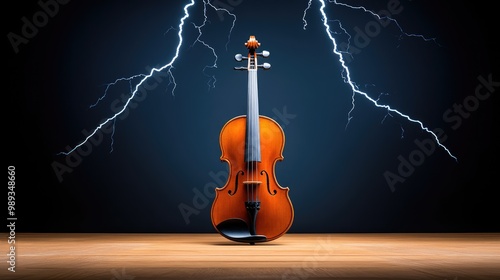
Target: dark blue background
166, 149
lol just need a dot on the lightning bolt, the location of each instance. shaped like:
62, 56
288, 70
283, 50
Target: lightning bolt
212, 80
206, 3
346, 75
387, 18
109, 85
167, 67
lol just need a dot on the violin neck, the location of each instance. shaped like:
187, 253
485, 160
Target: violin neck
252, 140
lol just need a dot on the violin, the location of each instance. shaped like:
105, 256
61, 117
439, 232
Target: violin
252, 207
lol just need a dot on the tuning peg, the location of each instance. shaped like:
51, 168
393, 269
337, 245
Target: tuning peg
264, 53
240, 68
239, 57
266, 66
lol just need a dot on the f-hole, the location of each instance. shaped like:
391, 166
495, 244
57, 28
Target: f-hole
267, 182
236, 183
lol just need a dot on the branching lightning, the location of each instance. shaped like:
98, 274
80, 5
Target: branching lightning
346, 75
212, 79
167, 67
109, 85
345, 72
384, 18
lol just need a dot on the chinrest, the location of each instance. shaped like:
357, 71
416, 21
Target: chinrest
237, 230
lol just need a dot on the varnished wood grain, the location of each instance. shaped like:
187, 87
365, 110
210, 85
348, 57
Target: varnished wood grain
293, 256
276, 213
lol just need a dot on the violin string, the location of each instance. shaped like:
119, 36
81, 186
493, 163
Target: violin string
256, 125
253, 122
249, 134
249, 125
256, 122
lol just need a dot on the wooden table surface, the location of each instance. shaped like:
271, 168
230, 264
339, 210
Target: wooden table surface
294, 256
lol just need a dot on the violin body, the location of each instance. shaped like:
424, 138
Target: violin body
252, 207
276, 213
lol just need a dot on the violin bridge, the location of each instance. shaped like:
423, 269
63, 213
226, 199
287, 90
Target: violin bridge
252, 182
